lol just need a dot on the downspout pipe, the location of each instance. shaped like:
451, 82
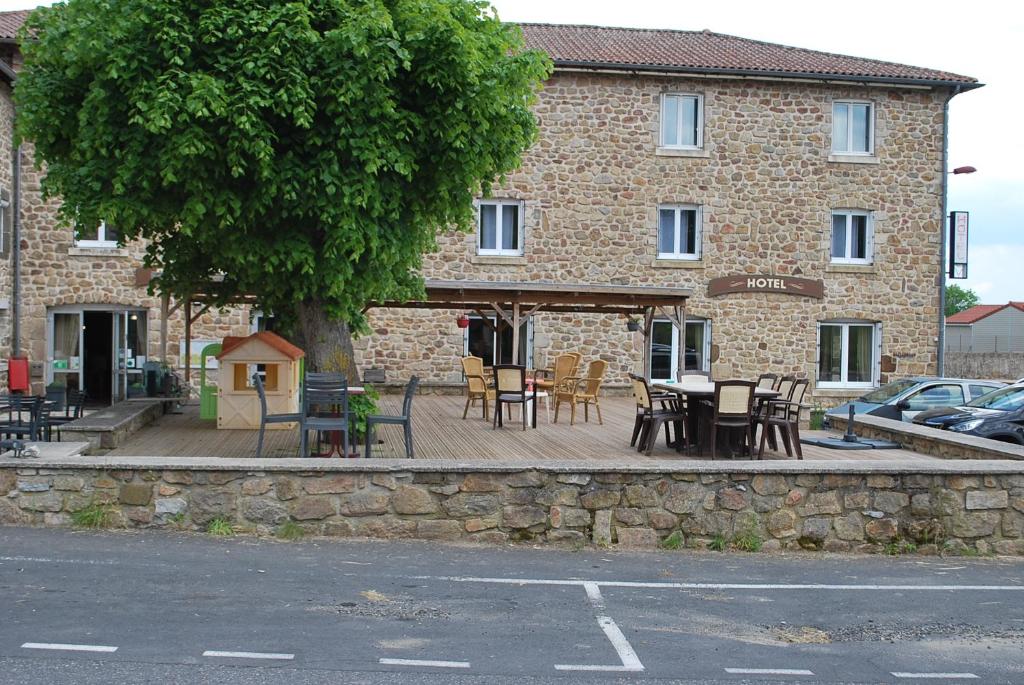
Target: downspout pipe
16, 254
943, 230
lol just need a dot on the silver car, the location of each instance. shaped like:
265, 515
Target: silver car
902, 400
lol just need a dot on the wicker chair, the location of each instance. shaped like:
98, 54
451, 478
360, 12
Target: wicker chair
476, 385
566, 365
734, 408
582, 390
784, 415
650, 420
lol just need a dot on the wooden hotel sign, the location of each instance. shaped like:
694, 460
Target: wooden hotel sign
785, 285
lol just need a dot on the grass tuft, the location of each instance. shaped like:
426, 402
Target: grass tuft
718, 544
95, 515
747, 541
289, 530
673, 541
220, 527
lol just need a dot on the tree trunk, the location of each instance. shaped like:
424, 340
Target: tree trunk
327, 343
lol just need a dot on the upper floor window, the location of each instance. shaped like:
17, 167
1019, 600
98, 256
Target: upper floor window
682, 121
500, 228
103, 235
853, 128
852, 237
679, 232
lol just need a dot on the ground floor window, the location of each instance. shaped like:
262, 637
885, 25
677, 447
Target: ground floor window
848, 354
665, 348
491, 340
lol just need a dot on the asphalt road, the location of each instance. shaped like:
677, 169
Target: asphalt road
78, 607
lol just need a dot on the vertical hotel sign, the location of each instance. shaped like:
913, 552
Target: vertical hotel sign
958, 244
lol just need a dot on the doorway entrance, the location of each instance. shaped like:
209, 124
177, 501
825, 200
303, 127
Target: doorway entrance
98, 354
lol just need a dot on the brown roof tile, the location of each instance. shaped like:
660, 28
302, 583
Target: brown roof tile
980, 311
707, 52
273, 339
10, 23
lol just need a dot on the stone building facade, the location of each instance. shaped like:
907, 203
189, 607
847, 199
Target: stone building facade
664, 158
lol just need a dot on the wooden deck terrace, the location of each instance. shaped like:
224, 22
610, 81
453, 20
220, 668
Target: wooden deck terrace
439, 432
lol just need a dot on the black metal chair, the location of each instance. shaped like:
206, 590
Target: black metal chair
510, 388
267, 418
23, 417
74, 407
404, 420
324, 410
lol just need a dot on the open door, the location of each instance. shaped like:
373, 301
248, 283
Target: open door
64, 359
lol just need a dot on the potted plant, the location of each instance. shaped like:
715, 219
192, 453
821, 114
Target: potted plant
462, 321
632, 324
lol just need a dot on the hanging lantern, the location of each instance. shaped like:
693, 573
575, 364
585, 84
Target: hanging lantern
462, 321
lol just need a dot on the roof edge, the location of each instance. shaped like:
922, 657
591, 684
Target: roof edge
963, 86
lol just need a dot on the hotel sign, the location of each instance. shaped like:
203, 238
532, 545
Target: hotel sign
785, 285
958, 225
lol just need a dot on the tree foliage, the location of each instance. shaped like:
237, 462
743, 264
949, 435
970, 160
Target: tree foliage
958, 299
303, 151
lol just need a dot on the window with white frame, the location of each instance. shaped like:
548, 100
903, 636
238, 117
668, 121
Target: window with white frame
848, 354
500, 228
103, 235
682, 121
664, 345
852, 237
853, 128
679, 232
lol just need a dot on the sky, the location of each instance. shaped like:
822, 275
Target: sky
982, 39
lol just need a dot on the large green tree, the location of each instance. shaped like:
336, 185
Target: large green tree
958, 299
306, 152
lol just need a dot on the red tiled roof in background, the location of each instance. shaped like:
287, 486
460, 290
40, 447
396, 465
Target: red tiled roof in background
681, 51
704, 51
980, 311
273, 339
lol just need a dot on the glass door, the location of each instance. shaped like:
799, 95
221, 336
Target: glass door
64, 358
665, 348
119, 372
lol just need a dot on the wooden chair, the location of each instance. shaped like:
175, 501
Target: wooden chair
476, 385
582, 390
510, 388
404, 420
734, 408
784, 415
650, 420
566, 365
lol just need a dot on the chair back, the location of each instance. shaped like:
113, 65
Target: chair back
591, 384
257, 382
797, 398
40, 417
325, 379
510, 379
473, 370
734, 398
785, 387
641, 392
75, 404
328, 398
565, 366
767, 381
410, 392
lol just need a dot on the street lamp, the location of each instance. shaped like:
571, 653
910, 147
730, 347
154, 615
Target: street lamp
941, 351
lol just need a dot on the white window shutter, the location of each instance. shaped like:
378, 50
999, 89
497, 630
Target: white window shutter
869, 248
699, 232
817, 353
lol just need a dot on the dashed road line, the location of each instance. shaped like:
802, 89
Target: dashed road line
425, 662
68, 648
935, 676
249, 655
630, 661
769, 671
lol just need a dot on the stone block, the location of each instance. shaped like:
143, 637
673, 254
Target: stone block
946, 502
489, 537
602, 533
814, 532
925, 531
286, 488
882, 530
659, 519
794, 498
849, 527
821, 503
257, 486
881, 482
387, 527
782, 524
976, 525
600, 499
137, 494
41, 501
438, 529
384, 480
341, 528
67, 483
445, 490
574, 478
641, 496
763, 504
475, 525
564, 496
857, 500
629, 516
364, 503
480, 482
223, 477
313, 508
637, 538
139, 515
167, 490
8, 480
178, 477
171, 506
468, 504
210, 504
684, 498
987, 499
808, 480
523, 516
891, 502
613, 478
1013, 524
413, 499
57, 519
34, 485
573, 536
921, 504
835, 480
335, 484
569, 517
963, 482
11, 514
918, 481
527, 479
268, 511
770, 484
732, 499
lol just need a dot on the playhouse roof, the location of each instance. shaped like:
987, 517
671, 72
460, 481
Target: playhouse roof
233, 343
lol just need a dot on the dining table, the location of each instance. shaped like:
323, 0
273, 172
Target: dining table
695, 391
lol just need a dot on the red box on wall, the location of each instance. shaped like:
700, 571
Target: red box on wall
17, 374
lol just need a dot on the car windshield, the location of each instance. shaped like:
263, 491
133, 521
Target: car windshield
1007, 399
888, 391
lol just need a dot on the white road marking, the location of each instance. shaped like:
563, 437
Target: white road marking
249, 655
769, 671
46, 560
68, 648
425, 662
630, 661
934, 676
721, 586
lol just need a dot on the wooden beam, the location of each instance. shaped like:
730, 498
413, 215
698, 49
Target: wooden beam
165, 313
515, 335
188, 347
681, 348
501, 312
486, 319
202, 311
648, 330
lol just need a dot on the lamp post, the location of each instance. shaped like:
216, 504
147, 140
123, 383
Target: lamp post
941, 351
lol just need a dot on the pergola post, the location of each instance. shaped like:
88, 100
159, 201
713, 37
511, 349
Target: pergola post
648, 330
165, 314
515, 333
680, 323
188, 345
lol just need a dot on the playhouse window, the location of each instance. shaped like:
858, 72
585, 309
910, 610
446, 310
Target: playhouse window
244, 374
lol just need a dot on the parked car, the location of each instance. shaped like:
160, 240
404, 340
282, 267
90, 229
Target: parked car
903, 399
998, 415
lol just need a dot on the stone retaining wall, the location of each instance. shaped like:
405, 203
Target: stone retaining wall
931, 441
866, 507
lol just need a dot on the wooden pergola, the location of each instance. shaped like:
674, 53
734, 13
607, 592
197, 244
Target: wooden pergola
516, 303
